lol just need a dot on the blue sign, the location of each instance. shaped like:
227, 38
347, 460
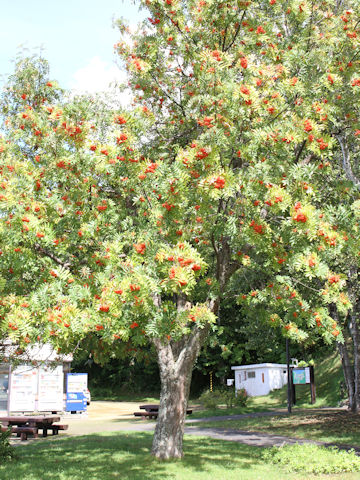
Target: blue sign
76, 386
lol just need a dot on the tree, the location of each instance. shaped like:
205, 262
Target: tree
129, 227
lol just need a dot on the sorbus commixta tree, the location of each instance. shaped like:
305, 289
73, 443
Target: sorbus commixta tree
132, 226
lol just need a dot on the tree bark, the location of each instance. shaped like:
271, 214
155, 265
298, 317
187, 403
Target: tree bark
348, 374
176, 361
356, 343
353, 284
348, 358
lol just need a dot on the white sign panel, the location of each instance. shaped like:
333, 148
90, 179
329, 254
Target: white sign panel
23, 389
307, 374
51, 389
229, 382
77, 382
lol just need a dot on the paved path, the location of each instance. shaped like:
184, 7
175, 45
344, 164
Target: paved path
222, 418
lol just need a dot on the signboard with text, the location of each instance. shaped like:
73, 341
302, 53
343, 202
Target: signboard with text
301, 376
76, 386
51, 389
23, 389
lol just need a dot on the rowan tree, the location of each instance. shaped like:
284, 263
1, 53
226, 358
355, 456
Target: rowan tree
133, 226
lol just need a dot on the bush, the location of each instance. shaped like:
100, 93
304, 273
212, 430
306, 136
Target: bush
315, 459
7, 451
241, 398
211, 400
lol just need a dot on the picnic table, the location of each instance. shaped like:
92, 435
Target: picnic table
151, 411
24, 425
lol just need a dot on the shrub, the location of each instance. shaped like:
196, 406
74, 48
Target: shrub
241, 398
7, 451
315, 459
226, 397
211, 400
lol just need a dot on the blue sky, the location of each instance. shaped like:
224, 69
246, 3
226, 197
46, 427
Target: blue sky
77, 37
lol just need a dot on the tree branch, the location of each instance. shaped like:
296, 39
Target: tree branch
47, 253
346, 161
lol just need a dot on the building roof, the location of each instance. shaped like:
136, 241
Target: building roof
38, 352
260, 365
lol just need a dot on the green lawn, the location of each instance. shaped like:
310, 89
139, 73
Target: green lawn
126, 456
337, 427
104, 395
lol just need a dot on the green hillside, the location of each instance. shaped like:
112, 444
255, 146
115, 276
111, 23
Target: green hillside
328, 380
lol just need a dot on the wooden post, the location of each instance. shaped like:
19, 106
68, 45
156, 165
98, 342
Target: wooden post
289, 382
211, 382
312, 385
293, 394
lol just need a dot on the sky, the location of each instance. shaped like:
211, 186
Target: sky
75, 36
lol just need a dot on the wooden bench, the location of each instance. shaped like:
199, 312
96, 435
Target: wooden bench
22, 432
145, 415
53, 427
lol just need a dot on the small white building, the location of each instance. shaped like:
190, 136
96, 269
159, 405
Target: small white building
260, 379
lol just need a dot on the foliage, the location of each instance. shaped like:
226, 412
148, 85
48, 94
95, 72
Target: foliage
120, 377
235, 399
308, 458
212, 400
7, 451
90, 222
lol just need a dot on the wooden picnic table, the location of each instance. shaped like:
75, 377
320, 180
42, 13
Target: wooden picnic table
150, 408
24, 425
151, 411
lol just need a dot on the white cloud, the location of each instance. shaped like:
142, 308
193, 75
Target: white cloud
97, 77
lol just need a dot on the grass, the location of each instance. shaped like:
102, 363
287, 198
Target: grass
105, 395
300, 458
332, 427
126, 456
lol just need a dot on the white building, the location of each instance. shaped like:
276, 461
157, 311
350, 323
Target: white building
260, 379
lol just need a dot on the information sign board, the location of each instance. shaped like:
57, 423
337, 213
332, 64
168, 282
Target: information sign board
51, 389
23, 389
299, 376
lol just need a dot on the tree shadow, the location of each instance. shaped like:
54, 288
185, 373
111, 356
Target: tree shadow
123, 455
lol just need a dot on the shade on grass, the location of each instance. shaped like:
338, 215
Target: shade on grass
126, 456
334, 427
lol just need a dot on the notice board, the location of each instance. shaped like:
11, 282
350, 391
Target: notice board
23, 389
51, 389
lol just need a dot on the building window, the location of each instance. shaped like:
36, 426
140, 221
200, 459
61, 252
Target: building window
251, 374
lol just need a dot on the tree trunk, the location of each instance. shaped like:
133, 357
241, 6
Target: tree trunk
348, 374
176, 361
353, 284
356, 342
